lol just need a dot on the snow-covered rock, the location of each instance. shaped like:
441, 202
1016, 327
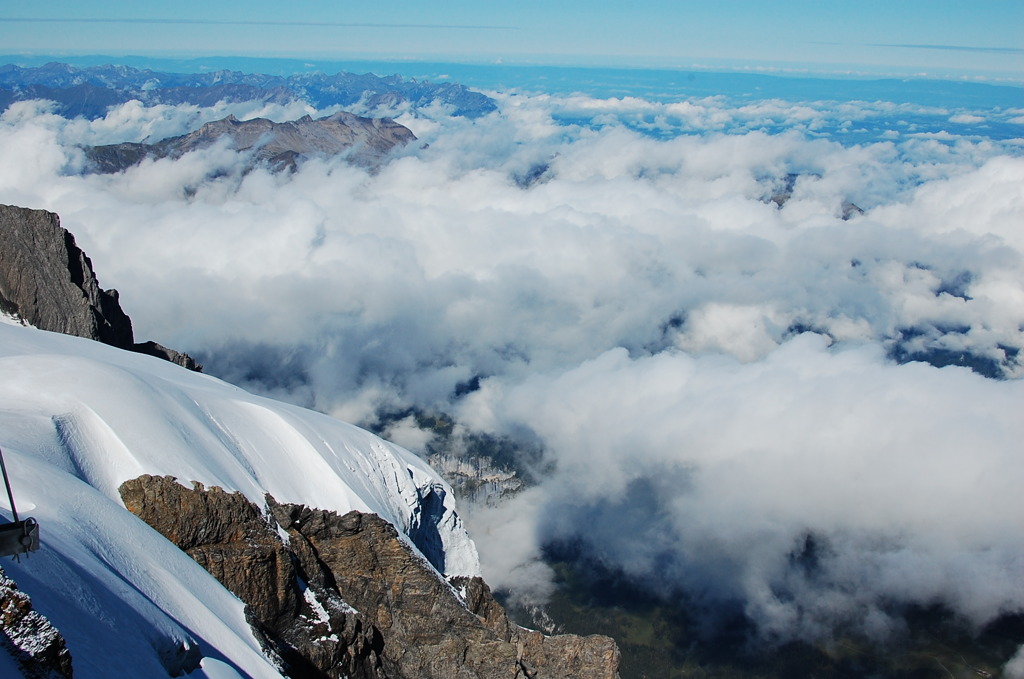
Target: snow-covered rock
78, 418
35, 648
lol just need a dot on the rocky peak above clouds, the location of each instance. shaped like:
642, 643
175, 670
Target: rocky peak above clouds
367, 141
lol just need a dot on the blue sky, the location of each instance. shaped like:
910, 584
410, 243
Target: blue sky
939, 37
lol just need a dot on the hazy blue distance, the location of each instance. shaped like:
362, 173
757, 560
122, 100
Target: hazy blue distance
911, 38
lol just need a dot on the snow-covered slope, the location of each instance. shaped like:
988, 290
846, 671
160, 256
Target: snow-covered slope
77, 418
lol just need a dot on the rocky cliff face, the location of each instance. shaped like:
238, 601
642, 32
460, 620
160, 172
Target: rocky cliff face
475, 479
366, 141
46, 280
347, 596
293, 609
49, 281
30, 639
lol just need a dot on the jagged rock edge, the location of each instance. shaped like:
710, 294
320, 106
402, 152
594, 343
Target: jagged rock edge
525, 643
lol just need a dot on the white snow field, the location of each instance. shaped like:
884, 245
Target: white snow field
77, 418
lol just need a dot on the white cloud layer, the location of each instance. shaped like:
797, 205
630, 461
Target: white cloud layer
710, 474
636, 303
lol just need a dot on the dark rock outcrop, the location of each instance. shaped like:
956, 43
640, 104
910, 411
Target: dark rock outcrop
47, 281
29, 637
366, 141
850, 210
781, 190
151, 348
354, 581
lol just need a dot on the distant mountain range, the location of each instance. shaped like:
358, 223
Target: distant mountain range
89, 92
280, 145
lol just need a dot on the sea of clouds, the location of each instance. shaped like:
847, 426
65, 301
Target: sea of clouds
712, 378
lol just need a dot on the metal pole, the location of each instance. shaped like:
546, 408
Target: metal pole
7, 482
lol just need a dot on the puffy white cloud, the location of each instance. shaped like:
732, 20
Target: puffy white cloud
510, 538
1015, 668
966, 118
618, 275
710, 474
747, 332
407, 433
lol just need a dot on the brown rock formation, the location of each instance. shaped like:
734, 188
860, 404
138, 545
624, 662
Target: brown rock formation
562, 655
391, 613
29, 637
428, 632
367, 141
313, 632
48, 281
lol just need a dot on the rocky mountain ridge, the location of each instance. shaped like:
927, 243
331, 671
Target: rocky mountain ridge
367, 141
90, 92
47, 281
344, 596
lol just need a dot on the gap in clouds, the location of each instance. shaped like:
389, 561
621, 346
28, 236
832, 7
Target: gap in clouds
707, 382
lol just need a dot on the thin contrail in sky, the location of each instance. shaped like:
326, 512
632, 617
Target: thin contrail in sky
955, 48
215, 22
951, 48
